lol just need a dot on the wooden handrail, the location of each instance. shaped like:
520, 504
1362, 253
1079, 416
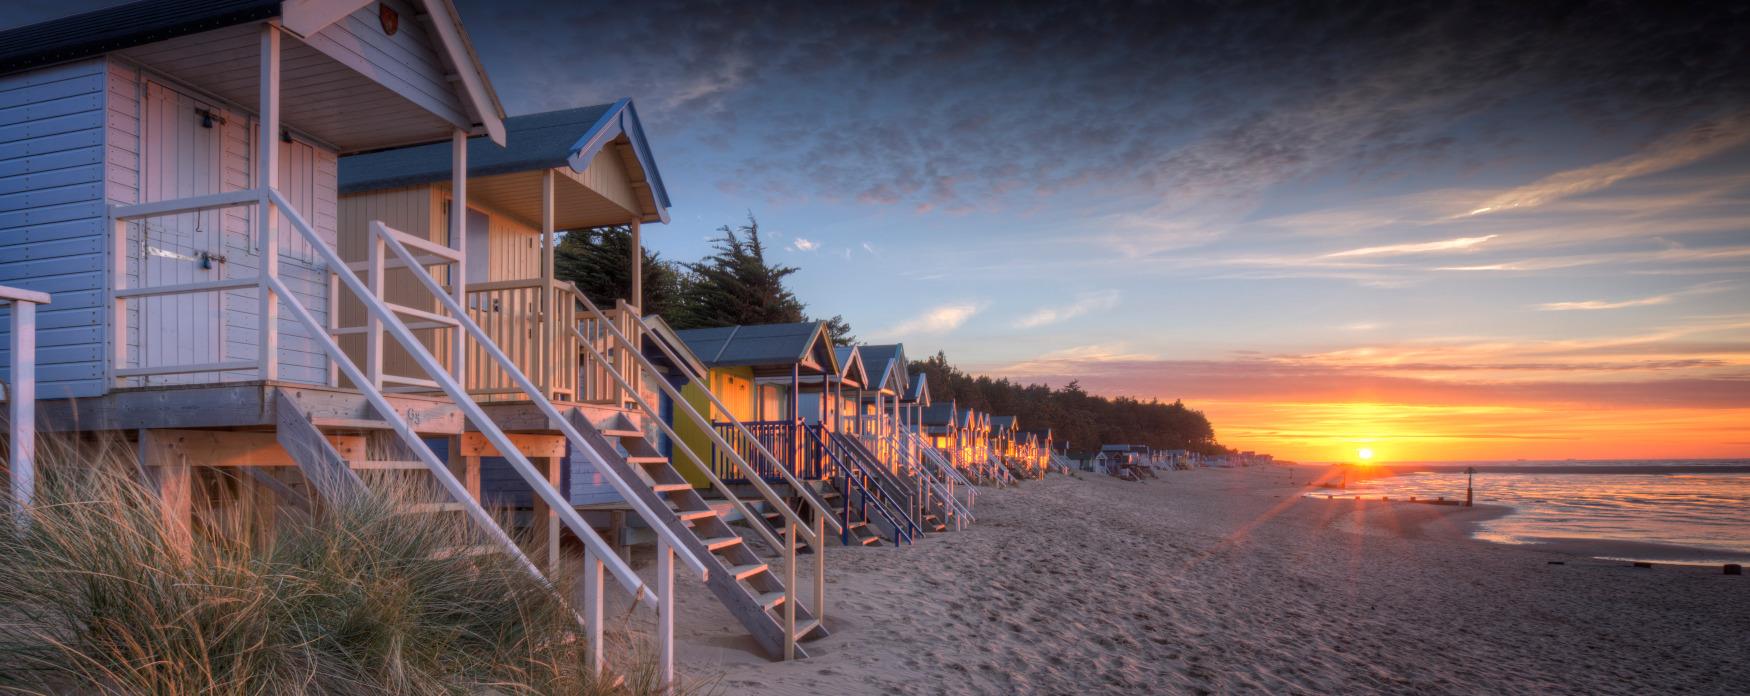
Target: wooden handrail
551, 496
705, 425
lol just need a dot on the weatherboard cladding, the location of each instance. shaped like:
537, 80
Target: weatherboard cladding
52, 218
110, 29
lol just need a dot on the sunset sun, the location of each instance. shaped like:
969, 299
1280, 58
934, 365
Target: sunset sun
1365, 454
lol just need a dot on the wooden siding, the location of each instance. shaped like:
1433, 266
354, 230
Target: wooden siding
173, 327
513, 253
406, 62
321, 94
52, 218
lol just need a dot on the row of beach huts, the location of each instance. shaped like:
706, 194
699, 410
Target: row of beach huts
298, 246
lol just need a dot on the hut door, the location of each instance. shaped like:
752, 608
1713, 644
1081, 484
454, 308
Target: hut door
182, 150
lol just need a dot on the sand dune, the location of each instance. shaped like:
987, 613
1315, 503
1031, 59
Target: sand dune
1227, 582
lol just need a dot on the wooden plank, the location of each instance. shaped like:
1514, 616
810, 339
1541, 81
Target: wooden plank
168, 471
323, 467
532, 445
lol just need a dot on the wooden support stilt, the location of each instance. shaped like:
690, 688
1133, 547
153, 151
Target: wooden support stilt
790, 590
170, 475
665, 615
592, 608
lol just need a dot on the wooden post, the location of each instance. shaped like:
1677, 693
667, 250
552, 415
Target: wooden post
21, 404
544, 346
543, 517
820, 566
637, 290
665, 614
267, 214
458, 241
795, 419
171, 477
118, 321
592, 608
471, 475
790, 591
374, 326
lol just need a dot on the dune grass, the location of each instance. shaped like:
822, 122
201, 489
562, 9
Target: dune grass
96, 596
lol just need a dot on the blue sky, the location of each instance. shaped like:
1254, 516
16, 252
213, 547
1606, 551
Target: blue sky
1411, 224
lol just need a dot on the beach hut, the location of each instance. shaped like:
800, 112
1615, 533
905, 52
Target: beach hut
889, 377
182, 197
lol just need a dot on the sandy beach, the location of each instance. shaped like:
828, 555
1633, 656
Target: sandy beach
1228, 581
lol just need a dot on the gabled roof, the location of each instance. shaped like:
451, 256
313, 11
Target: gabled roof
851, 369
919, 391
533, 142
886, 365
147, 21
940, 414
763, 345
966, 418
1002, 423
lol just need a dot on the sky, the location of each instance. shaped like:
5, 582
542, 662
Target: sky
1445, 231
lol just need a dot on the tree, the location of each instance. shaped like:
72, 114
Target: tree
839, 330
735, 284
598, 261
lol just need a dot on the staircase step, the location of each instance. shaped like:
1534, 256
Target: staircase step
350, 424
771, 600
622, 433
690, 515
719, 543
428, 508
742, 572
646, 461
458, 551
803, 628
870, 540
664, 488
373, 465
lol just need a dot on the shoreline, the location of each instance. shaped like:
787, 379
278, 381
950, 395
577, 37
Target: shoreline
1228, 581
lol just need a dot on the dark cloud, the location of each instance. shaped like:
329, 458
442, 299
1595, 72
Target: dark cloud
945, 103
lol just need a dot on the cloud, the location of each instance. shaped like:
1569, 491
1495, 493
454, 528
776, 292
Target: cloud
1696, 143
1087, 302
1459, 244
892, 104
1666, 298
802, 244
936, 320
871, 249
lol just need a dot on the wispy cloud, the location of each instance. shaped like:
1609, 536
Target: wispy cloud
1087, 302
1458, 244
1694, 144
871, 249
940, 319
803, 244
1667, 298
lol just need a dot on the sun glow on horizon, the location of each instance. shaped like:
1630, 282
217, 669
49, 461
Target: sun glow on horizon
1365, 454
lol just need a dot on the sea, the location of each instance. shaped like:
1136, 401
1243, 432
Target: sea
1673, 511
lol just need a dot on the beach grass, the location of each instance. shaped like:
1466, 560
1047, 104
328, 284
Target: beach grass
97, 596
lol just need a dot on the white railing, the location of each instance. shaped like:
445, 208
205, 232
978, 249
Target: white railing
950, 477
796, 528
934, 485
384, 319
120, 216
21, 393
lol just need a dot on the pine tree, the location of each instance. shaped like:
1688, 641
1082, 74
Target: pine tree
598, 261
735, 284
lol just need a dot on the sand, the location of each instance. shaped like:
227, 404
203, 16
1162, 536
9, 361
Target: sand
1228, 581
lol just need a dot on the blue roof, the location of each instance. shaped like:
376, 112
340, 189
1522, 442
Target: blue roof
882, 362
533, 142
757, 345
123, 26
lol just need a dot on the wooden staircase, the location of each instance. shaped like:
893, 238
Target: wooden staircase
747, 585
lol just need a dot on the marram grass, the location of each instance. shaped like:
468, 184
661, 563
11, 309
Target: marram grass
95, 597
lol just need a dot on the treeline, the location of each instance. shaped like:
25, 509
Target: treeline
1082, 420
736, 284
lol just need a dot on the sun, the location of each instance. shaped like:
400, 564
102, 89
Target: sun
1365, 453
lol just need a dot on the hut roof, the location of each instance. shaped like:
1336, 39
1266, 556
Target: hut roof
919, 391
886, 365
534, 142
940, 414
851, 368
764, 345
